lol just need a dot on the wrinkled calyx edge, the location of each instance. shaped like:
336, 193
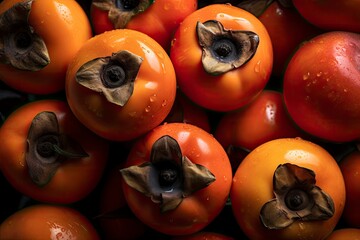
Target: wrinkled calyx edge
20, 46
224, 50
297, 198
120, 13
113, 76
168, 177
47, 147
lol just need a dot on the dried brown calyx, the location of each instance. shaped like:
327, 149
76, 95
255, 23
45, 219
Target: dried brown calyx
112, 76
47, 148
222, 49
297, 198
120, 12
169, 177
20, 46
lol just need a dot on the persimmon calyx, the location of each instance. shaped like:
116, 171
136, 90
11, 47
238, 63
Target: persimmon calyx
169, 177
20, 46
47, 148
224, 50
121, 12
297, 198
113, 76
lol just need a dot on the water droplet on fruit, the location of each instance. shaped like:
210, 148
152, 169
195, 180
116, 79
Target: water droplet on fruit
306, 76
153, 98
257, 67
147, 109
164, 103
173, 41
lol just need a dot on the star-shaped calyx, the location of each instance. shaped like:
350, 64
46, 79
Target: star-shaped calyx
20, 46
297, 198
223, 49
47, 147
113, 76
121, 12
169, 176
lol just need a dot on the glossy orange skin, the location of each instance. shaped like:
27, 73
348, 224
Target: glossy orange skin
350, 168
252, 187
197, 210
124, 226
321, 86
42, 221
287, 29
159, 20
331, 14
75, 178
154, 87
345, 234
232, 89
72, 30
262, 120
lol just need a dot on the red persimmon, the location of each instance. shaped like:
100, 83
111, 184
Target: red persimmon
159, 19
222, 56
49, 155
282, 190
115, 219
321, 86
40, 38
350, 168
331, 15
42, 221
287, 30
121, 84
177, 178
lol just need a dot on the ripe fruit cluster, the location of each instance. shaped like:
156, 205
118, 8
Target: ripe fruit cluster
174, 119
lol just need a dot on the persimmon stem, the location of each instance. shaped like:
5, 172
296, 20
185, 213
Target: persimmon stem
297, 199
224, 49
169, 177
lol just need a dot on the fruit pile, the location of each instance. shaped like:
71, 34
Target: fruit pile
174, 119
